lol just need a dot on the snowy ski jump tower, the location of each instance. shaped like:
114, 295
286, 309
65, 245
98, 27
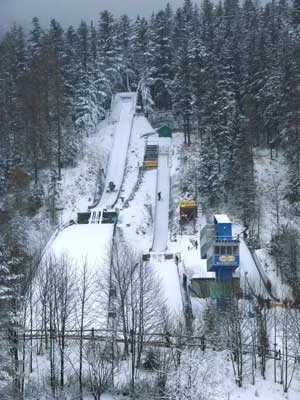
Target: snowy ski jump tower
220, 249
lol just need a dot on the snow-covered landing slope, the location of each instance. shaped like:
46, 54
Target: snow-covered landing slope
167, 274
117, 161
161, 219
76, 261
85, 244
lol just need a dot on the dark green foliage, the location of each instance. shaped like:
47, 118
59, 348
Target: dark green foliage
290, 124
162, 58
241, 182
296, 12
214, 67
151, 362
209, 184
228, 72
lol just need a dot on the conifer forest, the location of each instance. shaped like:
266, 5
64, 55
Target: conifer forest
226, 74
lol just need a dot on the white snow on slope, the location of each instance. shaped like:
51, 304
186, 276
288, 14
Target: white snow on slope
271, 177
135, 157
85, 243
161, 221
136, 221
167, 274
118, 155
248, 269
137, 225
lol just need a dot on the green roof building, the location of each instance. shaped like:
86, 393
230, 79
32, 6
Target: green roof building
164, 131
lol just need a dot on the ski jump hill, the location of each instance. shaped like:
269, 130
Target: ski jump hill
89, 245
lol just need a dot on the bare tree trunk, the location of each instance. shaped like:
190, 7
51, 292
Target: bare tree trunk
124, 327
263, 342
82, 312
140, 337
285, 354
52, 350
31, 331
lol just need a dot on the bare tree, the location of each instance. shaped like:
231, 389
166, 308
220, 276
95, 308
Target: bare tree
133, 297
290, 346
136, 292
277, 192
240, 339
64, 305
54, 301
193, 380
84, 294
99, 368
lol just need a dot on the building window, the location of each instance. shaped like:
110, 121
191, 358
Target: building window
235, 250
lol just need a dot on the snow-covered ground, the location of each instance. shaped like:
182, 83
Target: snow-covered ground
78, 185
144, 222
168, 275
118, 155
161, 219
271, 177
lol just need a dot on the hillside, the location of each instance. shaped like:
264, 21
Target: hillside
149, 205
137, 230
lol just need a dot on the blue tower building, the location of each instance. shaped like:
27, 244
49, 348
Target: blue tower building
220, 248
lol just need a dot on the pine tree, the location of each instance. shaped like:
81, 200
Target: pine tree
241, 183
296, 13
92, 90
123, 35
186, 21
290, 125
210, 182
57, 93
109, 50
142, 48
12, 69
207, 25
71, 70
162, 58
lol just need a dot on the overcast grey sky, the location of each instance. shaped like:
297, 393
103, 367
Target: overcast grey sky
73, 11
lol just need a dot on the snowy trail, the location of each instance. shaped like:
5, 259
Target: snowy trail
161, 219
118, 156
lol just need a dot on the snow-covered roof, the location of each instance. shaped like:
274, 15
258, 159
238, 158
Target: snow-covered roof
222, 219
